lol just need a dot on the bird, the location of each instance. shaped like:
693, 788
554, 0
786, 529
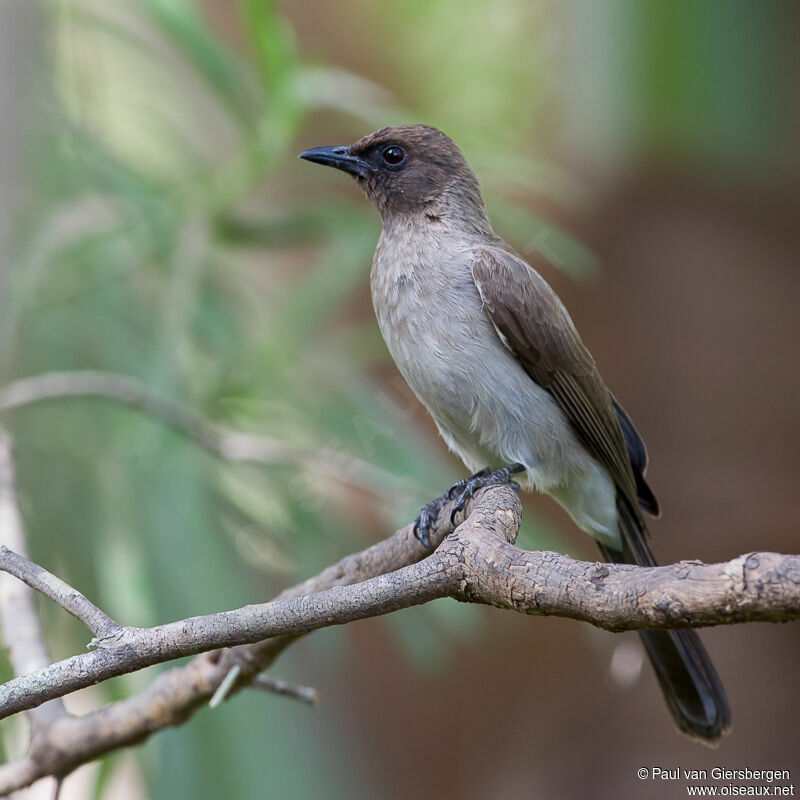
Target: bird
493, 355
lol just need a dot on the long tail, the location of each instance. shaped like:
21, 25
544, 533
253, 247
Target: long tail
691, 686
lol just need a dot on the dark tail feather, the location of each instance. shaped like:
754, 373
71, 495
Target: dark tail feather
690, 683
691, 686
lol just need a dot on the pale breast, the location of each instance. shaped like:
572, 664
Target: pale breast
487, 408
430, 316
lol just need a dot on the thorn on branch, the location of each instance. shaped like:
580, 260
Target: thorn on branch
224, 689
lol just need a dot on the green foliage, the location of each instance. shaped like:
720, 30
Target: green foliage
163, 239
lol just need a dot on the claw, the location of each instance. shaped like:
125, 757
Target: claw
422, 535
426, 518
421, 528
460, 503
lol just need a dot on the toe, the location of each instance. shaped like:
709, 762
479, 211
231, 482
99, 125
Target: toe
422, 527
456, 489
422, 534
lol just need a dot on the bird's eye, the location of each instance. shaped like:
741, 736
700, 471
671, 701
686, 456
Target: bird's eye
394, 155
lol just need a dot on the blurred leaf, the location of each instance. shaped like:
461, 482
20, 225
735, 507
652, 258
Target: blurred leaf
324, 87
223, 71
105, 773
537, 236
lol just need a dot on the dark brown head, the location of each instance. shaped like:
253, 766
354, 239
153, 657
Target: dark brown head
412, 169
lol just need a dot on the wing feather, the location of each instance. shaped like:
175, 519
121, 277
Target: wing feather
535, 326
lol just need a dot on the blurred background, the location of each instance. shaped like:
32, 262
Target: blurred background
154, 221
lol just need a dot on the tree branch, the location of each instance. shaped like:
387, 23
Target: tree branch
476, 562
755, 587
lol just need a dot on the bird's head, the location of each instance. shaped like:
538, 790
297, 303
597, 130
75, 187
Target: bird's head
408, 170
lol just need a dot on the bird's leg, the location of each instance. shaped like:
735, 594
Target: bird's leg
460, 491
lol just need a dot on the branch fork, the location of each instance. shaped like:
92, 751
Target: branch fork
474, 559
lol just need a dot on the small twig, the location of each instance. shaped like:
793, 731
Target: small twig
60, 592
305, 694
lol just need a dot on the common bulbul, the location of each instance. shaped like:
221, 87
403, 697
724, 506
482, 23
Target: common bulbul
491, 352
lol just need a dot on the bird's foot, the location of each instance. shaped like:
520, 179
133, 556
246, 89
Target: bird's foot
428, 513
460, 491
478, 481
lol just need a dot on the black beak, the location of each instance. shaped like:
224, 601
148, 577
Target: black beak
338, 157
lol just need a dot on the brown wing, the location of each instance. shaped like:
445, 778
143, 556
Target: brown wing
537, 329
535, 326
